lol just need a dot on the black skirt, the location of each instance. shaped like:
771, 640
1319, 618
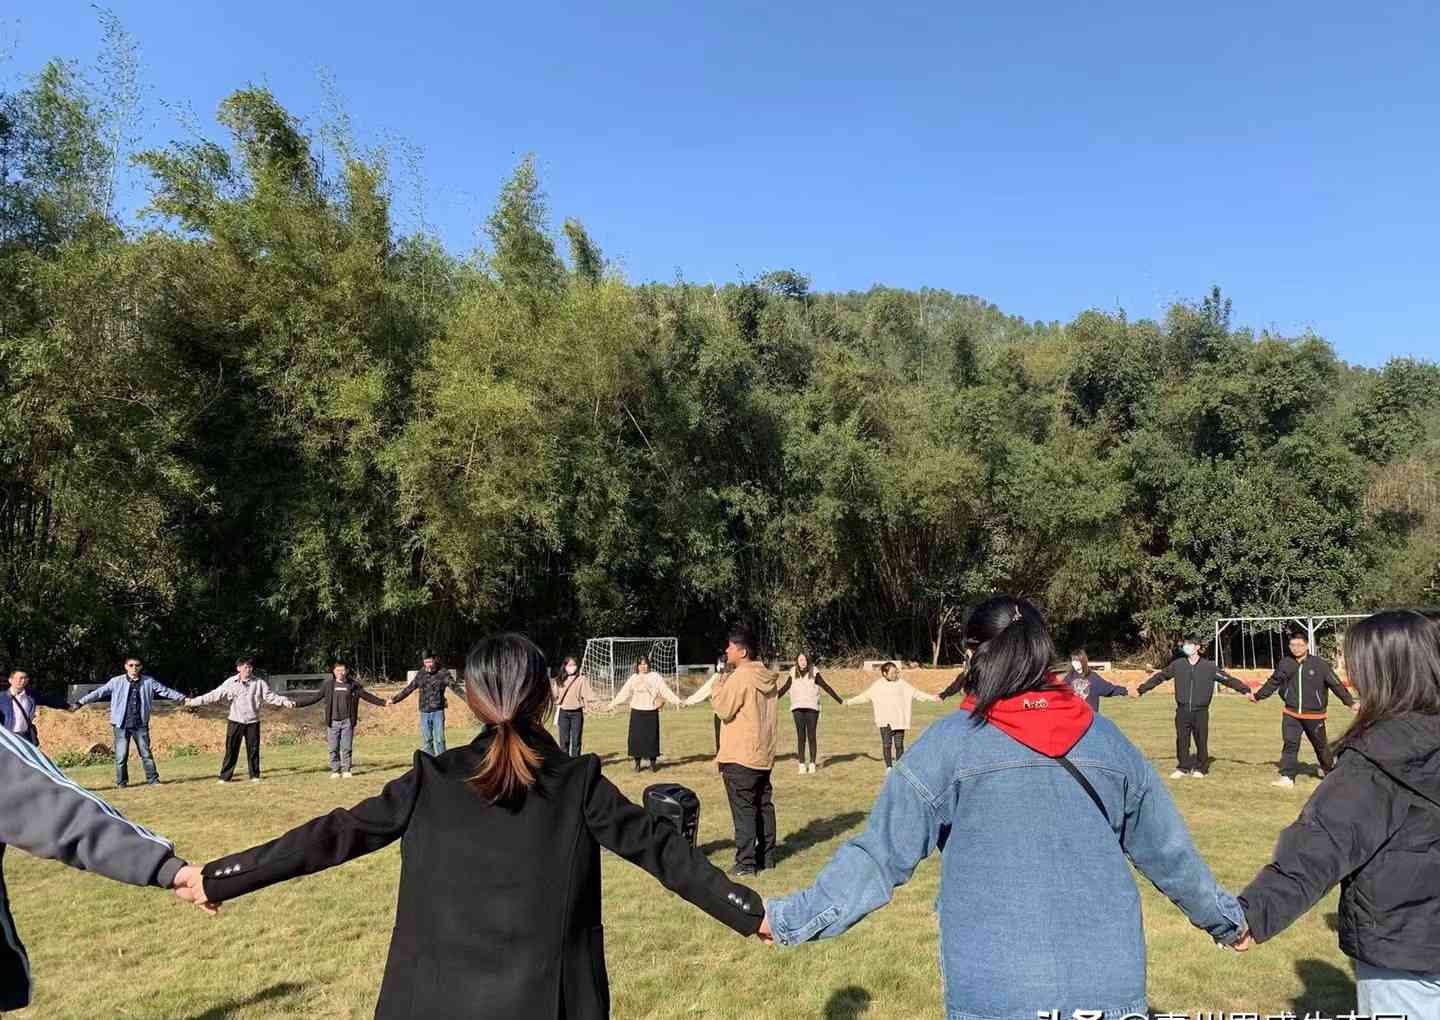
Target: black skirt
645, 733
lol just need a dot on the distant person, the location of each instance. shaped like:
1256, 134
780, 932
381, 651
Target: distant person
804, 684
1304, 682
130, 695
645, 691
1090, 685
891, 698
499, 910
19, 703
341, 695
1195, 679
47, 815
573, 695
1035, 848
432, 680
746, 700
245, 691
708, 688
1373, 826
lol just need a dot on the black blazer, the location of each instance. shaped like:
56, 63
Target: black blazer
499, 907
326, 694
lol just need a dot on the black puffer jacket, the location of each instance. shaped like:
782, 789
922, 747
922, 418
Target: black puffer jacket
1373, 825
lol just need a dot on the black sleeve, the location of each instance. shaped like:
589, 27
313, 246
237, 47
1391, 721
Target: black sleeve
407, 690
49, 700
1156, 680
1351, 813
306, 700
956, 686
820, 683
321, 843
1238, 686
783, 689
365, 695
630, 832
1333, 682
1105, 688
1270, 686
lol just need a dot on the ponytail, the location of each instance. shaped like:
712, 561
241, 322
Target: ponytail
507, 687
1013, 652
510, 765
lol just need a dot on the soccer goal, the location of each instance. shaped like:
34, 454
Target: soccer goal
609, 661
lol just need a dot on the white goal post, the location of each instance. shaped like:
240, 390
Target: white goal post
609, 661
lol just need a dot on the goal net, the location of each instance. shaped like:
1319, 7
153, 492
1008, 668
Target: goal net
609, 661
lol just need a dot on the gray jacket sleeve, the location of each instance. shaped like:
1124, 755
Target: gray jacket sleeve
49, 816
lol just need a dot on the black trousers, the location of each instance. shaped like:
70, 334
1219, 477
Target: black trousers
571, 725
807, 722
1290, 732
752, 808
1192, 722
888, 737
233, 732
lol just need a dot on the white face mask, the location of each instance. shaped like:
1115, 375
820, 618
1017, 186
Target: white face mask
571, 669
1075, 665
1189, 650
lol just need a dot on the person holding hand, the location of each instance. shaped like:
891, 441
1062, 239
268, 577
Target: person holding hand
130, 695
245, 691
341, 695
1304, 682
891, 698
645, 691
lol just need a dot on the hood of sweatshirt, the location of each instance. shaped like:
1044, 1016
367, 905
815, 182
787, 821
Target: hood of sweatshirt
1050, 721
765, 681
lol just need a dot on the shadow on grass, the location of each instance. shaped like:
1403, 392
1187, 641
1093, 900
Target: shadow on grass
1328, 990
816, 831
241, 777
225, 1010
840, 759
849, 1003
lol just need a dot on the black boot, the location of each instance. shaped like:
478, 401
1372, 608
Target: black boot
654, 766
637, 764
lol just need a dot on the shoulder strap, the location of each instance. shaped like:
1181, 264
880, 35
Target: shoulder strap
1069, 767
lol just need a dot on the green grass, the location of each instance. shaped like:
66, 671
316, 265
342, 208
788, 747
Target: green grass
316, 947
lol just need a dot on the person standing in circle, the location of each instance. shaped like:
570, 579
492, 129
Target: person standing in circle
717, 676
891, 698
804, 684
746, 700
573, 694
341, 694
1090, 685
645, 691
1195, 679
1304, 682
432, 680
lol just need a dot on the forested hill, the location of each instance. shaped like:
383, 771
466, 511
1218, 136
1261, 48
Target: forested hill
265, 419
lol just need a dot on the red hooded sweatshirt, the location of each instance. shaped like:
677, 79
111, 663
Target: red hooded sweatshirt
1051, 720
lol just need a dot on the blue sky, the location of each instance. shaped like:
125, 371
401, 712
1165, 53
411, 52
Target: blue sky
1048, 157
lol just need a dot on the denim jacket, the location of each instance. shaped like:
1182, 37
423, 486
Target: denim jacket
1027, 862
117, 690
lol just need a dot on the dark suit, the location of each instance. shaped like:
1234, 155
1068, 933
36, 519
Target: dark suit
9, 710
499, 907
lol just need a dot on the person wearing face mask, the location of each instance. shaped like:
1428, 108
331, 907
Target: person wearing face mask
1195, 679
573, 694
1090, 685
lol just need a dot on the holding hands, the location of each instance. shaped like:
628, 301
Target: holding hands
189, 885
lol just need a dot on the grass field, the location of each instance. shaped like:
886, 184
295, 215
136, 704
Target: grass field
316, 948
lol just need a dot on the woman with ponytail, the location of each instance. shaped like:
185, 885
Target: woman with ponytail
1037, 807
499, 903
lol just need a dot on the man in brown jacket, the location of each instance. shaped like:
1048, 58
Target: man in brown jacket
745, 700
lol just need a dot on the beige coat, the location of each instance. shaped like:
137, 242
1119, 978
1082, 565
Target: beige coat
891, 700
577, 694
645, 691
746, 702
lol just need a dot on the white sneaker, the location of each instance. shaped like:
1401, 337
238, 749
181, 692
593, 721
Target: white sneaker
1197, 774
889, 768
803, 769
222, 782
1179, 774
813, 766
255, 780
1284, 782
349, 775
334, 775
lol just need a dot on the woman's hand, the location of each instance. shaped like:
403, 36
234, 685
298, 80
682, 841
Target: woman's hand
189, 885
765, 935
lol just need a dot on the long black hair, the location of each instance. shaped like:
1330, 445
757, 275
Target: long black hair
507, 686
1013, 652
1393, 659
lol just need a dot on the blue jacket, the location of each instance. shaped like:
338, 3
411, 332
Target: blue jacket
1028, 864
7, 711
117, 691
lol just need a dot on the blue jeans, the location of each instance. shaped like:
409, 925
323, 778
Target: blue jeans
122, 754
1400, 993
432, 732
